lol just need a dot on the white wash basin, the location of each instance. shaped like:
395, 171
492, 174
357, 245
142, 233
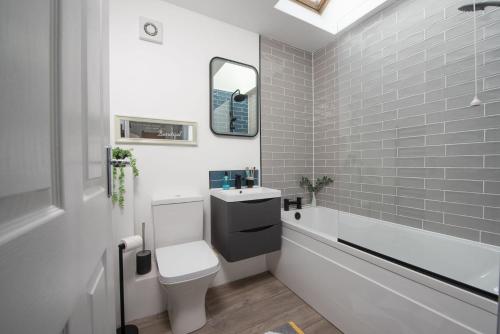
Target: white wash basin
245, 194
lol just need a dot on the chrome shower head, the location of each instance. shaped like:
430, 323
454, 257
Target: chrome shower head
479, 6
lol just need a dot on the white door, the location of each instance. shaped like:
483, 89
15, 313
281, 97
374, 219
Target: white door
55, 228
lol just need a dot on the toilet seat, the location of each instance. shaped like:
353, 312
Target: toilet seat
185, 262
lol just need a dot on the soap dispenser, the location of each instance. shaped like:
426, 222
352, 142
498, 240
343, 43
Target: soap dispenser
225, 184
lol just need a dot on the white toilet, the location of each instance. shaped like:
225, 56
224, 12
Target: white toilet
186, 263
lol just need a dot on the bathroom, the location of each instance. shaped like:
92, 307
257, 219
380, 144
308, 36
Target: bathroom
249, 166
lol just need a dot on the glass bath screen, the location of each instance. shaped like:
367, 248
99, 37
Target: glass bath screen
393, 123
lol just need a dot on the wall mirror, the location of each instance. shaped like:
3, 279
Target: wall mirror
234, 98
137, 130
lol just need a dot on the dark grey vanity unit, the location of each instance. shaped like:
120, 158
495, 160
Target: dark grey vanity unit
245, 222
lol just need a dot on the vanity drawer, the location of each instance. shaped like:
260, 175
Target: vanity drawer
244, 229
253, 214
253, 242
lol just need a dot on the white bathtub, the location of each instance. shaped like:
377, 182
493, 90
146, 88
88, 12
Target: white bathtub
374, 292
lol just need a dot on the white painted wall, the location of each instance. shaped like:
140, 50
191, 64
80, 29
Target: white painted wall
171, 81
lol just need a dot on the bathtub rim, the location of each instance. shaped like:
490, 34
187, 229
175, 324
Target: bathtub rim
431, 282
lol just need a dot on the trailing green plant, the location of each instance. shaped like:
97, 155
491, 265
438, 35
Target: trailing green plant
119, 156
320, 183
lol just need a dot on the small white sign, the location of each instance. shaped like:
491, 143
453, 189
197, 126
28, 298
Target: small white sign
150, 30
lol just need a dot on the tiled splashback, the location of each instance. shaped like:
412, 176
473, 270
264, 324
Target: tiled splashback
216, 177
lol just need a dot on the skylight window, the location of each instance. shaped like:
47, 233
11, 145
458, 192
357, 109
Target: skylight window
335, 15
316, 5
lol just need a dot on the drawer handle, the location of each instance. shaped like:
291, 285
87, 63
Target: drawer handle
256, 201
257, 229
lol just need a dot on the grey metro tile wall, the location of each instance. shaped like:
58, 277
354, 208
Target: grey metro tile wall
392, 119
287, 116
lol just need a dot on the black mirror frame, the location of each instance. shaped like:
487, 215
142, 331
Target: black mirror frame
210, 93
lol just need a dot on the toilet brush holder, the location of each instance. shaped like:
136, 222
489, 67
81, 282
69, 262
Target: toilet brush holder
143, 257
143, 260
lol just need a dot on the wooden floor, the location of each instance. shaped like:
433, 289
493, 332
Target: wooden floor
252, 305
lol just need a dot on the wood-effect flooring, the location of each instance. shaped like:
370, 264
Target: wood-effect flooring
252, 305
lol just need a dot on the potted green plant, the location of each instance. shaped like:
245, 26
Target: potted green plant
121, 158
320, 183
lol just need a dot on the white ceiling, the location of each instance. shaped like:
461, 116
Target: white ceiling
261, 17
285, 20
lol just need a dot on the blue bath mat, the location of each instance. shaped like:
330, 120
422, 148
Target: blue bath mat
289, 328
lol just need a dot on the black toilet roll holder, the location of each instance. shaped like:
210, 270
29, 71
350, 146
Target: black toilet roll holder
124, 329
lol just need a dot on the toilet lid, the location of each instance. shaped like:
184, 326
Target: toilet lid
185, 262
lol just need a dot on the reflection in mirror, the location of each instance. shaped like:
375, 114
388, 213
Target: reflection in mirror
234, 98
135, 130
